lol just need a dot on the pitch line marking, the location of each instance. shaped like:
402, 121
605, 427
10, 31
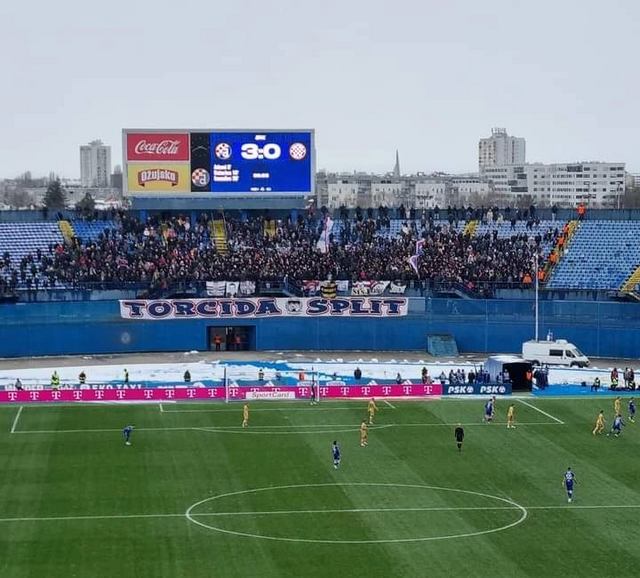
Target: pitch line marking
260, 409
514, 506
16, 419
161, 408
227, 429
389, 404
541, 411
213, 514
320, 430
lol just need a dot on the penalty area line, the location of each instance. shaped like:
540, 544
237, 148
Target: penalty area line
16, 419
389, 404
541, 411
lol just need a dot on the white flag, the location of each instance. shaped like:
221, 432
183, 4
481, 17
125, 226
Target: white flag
216, 288
232, 288
247, 288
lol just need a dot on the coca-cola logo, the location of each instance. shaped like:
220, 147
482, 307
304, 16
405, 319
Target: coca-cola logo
164, 147
158, 147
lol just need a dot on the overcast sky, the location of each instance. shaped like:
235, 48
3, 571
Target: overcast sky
428, 77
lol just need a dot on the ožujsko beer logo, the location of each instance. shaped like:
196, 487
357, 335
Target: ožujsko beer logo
158, 176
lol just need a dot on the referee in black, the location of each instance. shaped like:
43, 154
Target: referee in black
459, 435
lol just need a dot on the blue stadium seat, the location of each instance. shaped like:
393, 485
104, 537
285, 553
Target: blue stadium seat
601, 255
22, 239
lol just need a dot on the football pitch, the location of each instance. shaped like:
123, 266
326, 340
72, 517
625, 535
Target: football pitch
195, 495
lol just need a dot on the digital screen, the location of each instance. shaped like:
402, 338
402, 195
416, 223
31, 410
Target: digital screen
219, 162
267, 162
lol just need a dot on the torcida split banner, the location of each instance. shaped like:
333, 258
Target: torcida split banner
263, 307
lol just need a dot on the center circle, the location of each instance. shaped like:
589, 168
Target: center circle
505, 504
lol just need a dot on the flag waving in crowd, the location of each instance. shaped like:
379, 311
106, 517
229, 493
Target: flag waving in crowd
413, 260
324, 240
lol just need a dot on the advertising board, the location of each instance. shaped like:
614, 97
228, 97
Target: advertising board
221, 162
235, 393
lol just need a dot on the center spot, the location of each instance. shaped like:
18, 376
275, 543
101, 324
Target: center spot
356, 513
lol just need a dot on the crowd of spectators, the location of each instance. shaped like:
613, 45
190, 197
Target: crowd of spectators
159, 253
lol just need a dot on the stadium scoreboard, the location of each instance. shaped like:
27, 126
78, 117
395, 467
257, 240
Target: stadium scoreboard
208, 163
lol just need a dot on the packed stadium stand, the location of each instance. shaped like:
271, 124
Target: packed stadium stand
601, 255
472, 252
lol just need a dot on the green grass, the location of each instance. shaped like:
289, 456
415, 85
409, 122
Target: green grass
75, 502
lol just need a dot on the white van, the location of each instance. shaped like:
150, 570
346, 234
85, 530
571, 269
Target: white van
558, 352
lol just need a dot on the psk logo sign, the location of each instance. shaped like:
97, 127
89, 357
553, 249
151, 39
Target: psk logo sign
200, 177
297, 151
223, 151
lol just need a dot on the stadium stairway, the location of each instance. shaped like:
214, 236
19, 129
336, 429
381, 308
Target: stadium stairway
219, 235
68, 234
555, 255
470, 228
630, 285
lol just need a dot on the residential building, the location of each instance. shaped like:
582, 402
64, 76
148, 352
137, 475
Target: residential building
342, 193
95, 164
388, 193
597, 184
470, 189
429, 194
501, 149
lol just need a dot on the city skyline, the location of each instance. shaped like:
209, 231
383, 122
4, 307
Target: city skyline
425, 78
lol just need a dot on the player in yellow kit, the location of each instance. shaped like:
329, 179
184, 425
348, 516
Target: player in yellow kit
245, 415
599, 427
616, 406
372, 409
364, 433
511, 416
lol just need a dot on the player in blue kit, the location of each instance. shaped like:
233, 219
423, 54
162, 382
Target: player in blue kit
616, 428
489, 410
126, 432
335, 450
567, 481
632, 410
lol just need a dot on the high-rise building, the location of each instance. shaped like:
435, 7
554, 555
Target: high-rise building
500, 149
95, 164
